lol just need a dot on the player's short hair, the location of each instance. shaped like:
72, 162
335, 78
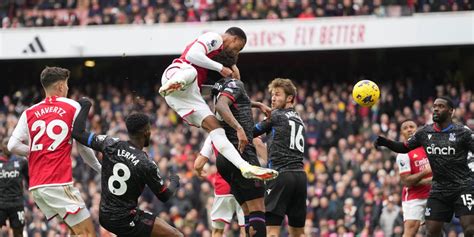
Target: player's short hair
51, 75
236, 31
288, 87
136, 123
448, 100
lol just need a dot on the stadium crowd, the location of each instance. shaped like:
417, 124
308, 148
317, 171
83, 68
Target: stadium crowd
38, 13
353, 189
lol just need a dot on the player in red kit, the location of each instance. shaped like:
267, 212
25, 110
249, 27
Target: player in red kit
181, 84
225, 205
43, 134
415, 175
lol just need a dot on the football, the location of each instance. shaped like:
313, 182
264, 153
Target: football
366, 93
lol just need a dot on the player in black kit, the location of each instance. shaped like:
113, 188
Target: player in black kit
234, 109
126, 169
447, 146
13, 170
286, 195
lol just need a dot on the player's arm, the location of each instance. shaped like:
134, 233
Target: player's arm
205, 44
24, 172
235, 72
425, 181
223, 104
157, 184
16, 143
262, 127
413, 179
203, 157
79, 133
400, 147
86, 138
262, 107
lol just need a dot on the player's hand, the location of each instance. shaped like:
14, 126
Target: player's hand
199, 164
83, 101
380, 141
174, 182
243, 141
226, 72
266, 110
235, 72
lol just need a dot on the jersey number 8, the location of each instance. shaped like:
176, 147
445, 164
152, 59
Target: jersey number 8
119, 179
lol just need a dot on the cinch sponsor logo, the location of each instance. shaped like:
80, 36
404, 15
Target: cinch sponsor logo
9, 174
436, 150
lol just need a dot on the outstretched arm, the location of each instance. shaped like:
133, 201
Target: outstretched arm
222, 107
395, 146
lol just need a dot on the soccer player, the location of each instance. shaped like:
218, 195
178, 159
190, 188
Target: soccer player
181, 83
234, 108
47, 127
13, 170
447, 146
415, 175
225, 205
127, 169
285, 195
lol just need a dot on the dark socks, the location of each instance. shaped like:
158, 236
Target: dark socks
256, 227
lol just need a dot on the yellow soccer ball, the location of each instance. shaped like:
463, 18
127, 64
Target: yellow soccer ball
366, 93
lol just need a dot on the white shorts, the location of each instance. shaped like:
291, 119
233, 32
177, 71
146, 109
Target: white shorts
223, 210
414, 209
188, 103
64, 201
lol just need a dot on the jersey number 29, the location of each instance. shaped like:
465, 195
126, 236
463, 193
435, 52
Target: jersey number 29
296, 138
49, 129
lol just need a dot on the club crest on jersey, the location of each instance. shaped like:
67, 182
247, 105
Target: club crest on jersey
452, 137
101, 137
232, 84
16, 164
211, 44
429, 136
1, 165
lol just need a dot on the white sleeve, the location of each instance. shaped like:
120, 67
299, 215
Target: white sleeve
206, 149
20, 137
205, 44
403, 162
89, 157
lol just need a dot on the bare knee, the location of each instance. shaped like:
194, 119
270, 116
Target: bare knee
411, 228
256, 205
210, 123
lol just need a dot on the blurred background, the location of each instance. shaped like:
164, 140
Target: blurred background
414, 50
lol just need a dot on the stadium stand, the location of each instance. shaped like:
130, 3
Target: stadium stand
39, 13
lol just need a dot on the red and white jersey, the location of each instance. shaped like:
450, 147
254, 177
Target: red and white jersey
221, 187
200, 52
47, 127
411, 163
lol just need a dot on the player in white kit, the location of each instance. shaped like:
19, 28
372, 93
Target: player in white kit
181, 83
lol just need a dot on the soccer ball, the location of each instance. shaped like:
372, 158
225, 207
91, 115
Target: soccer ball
366, 93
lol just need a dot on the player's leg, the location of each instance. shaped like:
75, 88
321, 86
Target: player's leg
467, 224
217, 232
438, 211
221, 213
296, 209
241, 216
225, 147
464, 210
257, 222
413, 215
85, 227
274, 223
163, 229
17, 220
176, 77
411, 228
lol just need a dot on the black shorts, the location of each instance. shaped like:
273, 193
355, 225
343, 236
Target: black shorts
441, 206
139, 223
243, 189
286, 195
16, 216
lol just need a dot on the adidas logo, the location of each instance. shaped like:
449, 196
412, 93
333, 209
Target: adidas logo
35, 47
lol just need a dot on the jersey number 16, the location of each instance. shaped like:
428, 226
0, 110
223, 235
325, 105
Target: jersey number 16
296, 138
